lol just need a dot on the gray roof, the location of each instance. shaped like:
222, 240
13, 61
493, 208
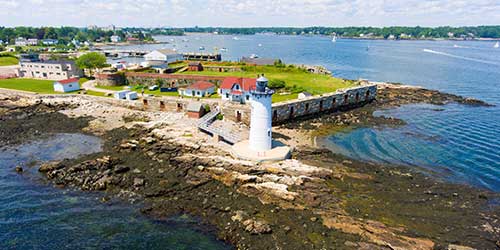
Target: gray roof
194, 107
259, 61
167, 51
262, 79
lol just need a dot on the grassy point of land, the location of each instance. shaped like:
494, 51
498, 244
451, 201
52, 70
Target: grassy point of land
296, 80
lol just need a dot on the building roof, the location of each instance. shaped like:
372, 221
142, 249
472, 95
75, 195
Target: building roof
201, 85
194, 107
194, 63
258, 61
246, 84
167, 51
68, 81
305, 93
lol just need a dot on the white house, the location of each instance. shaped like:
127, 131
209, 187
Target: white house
67, 85
163, 56
32, 42
121, 94
132, 95
50, 41
115, 39
199, 89
237, 89
20, 41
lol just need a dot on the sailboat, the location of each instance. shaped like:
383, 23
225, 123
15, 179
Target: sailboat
334, 39
497, 45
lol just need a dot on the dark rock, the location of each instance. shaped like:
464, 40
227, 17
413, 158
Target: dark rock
119, 169
19, 169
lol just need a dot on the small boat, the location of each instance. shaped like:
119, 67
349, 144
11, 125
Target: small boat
497, 45
236, 38
334, 39
260, 44
202, 48
223, 49
456, 46
185, 40
254, 56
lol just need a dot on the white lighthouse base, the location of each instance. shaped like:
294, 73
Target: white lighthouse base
278, 152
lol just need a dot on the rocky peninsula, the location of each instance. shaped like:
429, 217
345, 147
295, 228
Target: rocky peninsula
316, 200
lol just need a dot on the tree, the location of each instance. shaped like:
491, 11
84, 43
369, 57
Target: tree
91, 61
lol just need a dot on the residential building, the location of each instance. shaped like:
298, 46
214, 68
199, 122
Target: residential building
67, 85
50, 41
199, 89
237, 89
163, 56
32, 42
32, 67
20, 41
116, 39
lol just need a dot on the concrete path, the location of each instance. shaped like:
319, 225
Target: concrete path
90, 85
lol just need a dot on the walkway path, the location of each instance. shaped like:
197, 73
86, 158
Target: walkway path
206, 121
90, 85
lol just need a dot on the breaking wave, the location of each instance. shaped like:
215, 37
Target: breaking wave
460, 57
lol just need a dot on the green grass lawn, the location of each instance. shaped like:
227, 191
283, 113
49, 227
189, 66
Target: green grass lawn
32, 85
8, 60
139, 90
282, 98
313, 83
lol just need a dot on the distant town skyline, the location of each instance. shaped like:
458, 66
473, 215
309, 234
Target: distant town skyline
249, 13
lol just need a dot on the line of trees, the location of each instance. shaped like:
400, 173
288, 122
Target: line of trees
415, 32
67, 34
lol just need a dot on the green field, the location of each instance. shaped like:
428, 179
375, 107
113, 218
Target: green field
36, 86
294, 78
8, 60
31, 85
138, 89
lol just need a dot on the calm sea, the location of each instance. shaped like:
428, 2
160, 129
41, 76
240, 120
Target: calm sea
460, 143
35, 215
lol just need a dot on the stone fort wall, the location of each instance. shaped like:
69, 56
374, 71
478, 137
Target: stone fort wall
282, 112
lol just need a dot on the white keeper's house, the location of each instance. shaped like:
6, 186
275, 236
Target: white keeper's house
67, 85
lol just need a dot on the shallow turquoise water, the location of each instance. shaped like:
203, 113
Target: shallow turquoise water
36, 215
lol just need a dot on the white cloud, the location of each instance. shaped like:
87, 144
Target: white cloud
183, 13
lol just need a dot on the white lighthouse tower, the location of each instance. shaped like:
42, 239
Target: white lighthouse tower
259, 146
260, 139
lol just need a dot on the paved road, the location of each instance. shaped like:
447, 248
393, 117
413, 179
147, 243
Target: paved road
90, 85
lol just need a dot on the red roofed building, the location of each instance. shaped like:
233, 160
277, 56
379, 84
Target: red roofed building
199, 89
237, 89
67, 85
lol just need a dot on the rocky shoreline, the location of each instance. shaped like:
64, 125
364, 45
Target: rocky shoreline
317, 200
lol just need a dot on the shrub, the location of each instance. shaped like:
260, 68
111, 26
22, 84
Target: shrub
219, 117
276, 84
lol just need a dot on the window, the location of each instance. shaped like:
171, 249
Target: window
237, 87
227, 95
71, 86
248, 97
58, 74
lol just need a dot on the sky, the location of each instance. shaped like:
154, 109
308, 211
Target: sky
249, 13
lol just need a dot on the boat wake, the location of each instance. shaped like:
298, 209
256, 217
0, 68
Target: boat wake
460, 57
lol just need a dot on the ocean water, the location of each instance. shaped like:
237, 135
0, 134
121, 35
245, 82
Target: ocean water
36, 215
460, 142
